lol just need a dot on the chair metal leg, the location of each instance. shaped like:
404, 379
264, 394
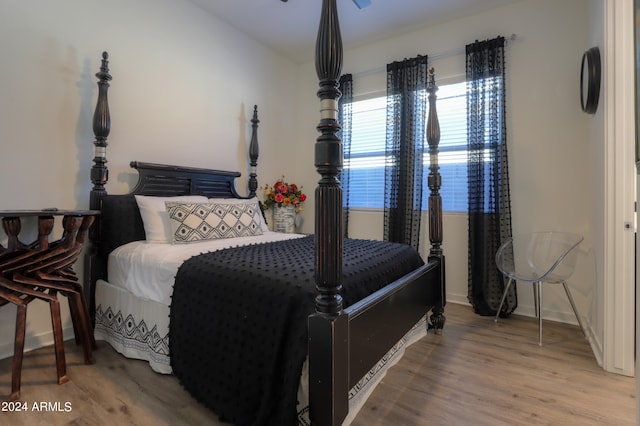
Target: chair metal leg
538, 286
536, 308
504, 296
573, 306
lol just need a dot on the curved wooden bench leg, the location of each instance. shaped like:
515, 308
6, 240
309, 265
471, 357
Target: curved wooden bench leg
77, 333
81, 323
18, 352
84, 312
85, 335
82, 330
58, 340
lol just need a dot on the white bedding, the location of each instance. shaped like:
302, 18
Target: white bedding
132, 310
148, 269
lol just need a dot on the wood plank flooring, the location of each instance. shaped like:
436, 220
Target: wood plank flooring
476, 373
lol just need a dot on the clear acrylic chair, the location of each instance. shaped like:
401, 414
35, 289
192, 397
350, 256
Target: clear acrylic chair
539, 257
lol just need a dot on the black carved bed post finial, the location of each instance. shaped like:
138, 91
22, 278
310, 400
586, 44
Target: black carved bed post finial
435, 200
95, 269
328, 327
253, 153
101, 129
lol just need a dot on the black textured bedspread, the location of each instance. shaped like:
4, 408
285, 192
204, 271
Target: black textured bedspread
238, 330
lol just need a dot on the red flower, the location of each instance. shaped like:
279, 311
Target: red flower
283, 193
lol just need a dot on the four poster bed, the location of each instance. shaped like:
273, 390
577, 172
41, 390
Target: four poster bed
247, 340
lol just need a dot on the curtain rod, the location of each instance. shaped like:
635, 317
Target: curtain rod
441, 55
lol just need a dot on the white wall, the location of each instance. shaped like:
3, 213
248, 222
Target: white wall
551, 165
184, 85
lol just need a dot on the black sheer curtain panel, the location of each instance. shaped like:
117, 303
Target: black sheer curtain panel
406, 112
488, 175
345, 115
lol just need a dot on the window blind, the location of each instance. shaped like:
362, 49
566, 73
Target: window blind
367, 159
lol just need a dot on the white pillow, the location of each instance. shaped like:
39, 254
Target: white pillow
210, 221
254, 200
154, 215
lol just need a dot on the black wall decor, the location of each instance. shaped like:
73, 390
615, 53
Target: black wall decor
590, 74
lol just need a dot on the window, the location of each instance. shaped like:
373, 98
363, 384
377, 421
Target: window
367, 159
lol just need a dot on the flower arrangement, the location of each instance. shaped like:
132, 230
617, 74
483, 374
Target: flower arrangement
284, 194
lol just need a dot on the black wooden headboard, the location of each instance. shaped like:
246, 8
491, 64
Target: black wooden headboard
120, 221
166, 181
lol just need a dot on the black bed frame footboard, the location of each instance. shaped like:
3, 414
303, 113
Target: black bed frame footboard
357, 338
379, 322
345, 343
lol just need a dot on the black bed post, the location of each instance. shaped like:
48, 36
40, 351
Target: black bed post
328, 327
253, 153
101, 129
435, 200
99, 177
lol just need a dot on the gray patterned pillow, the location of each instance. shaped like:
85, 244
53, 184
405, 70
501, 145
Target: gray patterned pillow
207, 221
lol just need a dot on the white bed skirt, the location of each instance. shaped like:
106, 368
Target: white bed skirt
134, 327
139, 329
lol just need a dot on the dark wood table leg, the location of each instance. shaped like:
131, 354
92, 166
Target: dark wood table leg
18, 352
56, 324
18, 348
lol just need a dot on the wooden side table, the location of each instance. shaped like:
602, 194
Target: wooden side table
41, 270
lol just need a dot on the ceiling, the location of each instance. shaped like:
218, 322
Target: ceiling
290, 28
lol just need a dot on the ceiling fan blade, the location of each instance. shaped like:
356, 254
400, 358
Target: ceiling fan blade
362, 3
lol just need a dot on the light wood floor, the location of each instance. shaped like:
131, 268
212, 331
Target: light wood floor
476, 373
